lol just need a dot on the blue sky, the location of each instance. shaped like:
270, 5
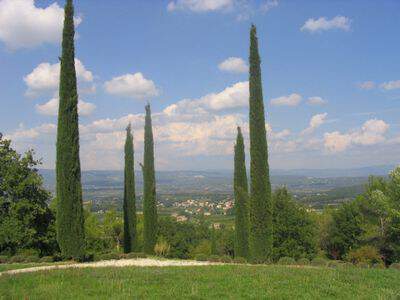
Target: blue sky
331, 79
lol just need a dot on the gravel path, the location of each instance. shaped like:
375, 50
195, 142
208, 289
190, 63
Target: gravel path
137, 262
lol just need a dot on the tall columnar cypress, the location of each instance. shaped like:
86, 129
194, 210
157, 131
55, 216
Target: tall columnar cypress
261, 230
240, 187
129, 195
149, 188
70, 220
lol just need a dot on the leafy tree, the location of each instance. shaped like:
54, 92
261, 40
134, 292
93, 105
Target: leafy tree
295, 233
113, 229
70, 219
129, 195
261, 232
240, 186
26, 222
149, 188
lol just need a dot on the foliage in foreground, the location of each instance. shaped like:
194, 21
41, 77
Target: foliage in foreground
210, 282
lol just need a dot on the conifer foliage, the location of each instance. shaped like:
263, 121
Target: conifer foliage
129, 195
149, 188
240, 187
260, 187
70, 220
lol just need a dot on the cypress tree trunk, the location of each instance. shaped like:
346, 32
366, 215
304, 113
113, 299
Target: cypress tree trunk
149, 188
260, 186
129, 195
70, 220
240, 187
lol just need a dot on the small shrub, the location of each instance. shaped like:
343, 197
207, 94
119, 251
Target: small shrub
335, 264
162, 248
133, 255
240, 260
379, 266
109, 256
319, 262
214, 258
17, 259
225, 259
363, 265
3, 259
57, 257
395, 266
303, 262
46, 259
201, 257
87, 257
365, 254
286, 261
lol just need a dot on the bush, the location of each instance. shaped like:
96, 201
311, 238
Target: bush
109, 256
303, 262
201, 257
286, 261
225, 259
395, 266
133, 255
365, 254
17, 259
162, 248
240, 260
379, 266
214, 258
3, 259
335, 264
363, 265
319, 262
46, 259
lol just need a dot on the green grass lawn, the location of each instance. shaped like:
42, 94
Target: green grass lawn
205, 282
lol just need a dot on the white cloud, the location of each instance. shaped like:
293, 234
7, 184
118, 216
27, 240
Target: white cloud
291, 100
315, 122
391, 85
316, 101
23, 25
50, 108
372, 132
234, 65
234, 96
322, 24
23, 134
132, 86
367, 85
268, 5
45, 78
200, 5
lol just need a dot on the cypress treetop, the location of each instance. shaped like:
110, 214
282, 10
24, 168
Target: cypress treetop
70, 220
260, 186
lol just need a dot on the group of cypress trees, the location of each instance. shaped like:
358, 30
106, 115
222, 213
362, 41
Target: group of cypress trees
70, 219
253, 230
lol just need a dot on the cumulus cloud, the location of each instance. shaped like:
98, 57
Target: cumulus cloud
372, 132
391, 85
291, 100
24, 25
200, 5
234, 65
50, 108
134, 86
323, 24
315, 122
316, 101
45, 78
234, 96
23, 134
367, 85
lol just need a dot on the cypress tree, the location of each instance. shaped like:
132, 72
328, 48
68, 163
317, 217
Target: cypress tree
240, 187
260, 186
129, 195
149, 188
70, 220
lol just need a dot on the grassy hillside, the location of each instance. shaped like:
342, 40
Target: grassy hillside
206, 282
